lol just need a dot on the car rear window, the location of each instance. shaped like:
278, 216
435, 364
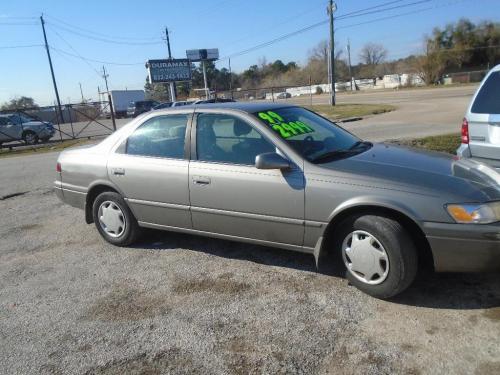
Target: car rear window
488, 98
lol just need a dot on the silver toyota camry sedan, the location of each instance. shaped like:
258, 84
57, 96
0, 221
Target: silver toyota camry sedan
283, 176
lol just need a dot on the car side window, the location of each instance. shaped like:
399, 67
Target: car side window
228, 139
161, 136
4, 121
488, 98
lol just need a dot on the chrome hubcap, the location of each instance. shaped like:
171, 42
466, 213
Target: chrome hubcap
111, 219
30, 138
365, 257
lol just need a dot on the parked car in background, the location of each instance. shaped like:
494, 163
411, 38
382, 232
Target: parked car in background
18, 126
215, 100
283, 95
481, 124
283, 176
163, 105
172, 104
136, 108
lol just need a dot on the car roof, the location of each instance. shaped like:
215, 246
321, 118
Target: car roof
242, 106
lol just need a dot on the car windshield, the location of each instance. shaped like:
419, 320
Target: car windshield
312, 136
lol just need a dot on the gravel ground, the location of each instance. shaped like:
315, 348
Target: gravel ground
71, 303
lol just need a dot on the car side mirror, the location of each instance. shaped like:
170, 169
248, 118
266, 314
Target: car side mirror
271, 160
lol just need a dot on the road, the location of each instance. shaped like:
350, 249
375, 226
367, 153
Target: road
420, 112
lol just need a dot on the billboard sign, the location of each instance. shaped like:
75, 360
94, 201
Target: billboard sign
202, 54
169, 70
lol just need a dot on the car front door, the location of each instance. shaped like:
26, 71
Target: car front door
151, 169
230, 196
10, 130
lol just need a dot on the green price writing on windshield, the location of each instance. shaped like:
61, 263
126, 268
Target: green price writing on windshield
286, 129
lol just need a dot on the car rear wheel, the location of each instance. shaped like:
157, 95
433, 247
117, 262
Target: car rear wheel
30, 138
114, 220
378, 254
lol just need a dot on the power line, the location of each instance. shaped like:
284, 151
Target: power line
74, 50
383, 10
400, 14
372, 7
22, 46
91, 32
18, 24
96, 61
278, 39
104, 40
310, 27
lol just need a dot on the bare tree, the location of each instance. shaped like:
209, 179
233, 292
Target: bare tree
322, 51
373, 54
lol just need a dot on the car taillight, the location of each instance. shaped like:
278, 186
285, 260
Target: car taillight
465, 132
58, 167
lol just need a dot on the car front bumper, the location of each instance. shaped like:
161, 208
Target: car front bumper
464, 247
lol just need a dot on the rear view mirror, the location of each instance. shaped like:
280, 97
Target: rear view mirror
271, 160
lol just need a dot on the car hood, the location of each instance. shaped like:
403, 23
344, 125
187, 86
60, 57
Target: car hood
423, 172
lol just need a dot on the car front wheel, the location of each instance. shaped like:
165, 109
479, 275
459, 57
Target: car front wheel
378, 254
30, 138
114, 220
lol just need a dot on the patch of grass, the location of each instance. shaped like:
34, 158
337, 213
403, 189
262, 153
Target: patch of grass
342, 111
443, 143
49, 147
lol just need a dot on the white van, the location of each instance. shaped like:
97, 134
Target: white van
481, 125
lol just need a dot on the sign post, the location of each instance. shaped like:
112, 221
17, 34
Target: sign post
203, 55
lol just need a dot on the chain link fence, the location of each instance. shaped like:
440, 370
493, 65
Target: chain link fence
72, 121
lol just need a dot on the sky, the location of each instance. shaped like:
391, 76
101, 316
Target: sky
131, 32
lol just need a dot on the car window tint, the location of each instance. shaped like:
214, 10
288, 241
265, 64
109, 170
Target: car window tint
488, 98
15, 119
161, 136
228, 139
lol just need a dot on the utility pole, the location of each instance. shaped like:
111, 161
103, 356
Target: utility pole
205, 79
332, 7
230, 79
349, 59
172, 84
110, 102
81, 92
60, 117
105, 76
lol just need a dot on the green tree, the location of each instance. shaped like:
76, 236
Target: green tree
156, 91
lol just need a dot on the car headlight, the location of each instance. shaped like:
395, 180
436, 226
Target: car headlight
475, 213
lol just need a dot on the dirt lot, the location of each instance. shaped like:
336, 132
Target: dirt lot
71, 303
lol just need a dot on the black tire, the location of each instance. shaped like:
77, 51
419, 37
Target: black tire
132, 230
30, 138
399, 246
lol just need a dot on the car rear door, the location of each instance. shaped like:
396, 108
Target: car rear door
229, 195
10, 129
151, 169
484, 119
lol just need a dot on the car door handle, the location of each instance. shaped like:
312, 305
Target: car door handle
119, 172
201, 180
